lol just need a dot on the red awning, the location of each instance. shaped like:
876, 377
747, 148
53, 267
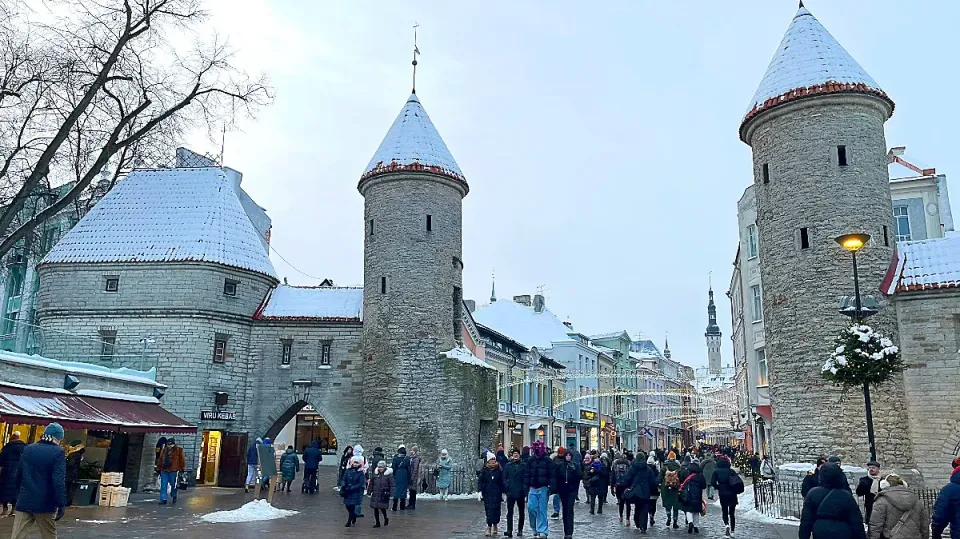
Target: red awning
766, 412
37, 407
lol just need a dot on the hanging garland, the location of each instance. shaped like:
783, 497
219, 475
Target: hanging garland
861, 356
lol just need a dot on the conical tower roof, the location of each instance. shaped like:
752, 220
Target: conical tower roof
413, 144
808, 62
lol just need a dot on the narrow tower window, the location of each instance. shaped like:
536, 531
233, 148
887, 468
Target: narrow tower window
886, 236
371, 227
842, 156
429, 223
804, 239
766, 173
383, 285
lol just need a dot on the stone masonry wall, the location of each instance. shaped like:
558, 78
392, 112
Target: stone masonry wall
929, 342
801, 287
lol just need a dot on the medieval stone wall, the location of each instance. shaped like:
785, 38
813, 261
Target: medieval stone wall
809, 189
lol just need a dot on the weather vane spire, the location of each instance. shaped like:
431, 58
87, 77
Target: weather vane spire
416, 52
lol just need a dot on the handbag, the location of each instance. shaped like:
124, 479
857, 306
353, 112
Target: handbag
436, 472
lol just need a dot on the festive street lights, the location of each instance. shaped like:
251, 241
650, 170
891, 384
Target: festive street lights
853, 243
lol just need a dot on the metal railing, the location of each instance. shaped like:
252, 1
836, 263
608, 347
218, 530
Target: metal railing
778, 499
461, 482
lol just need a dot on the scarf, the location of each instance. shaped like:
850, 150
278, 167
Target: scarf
875, 486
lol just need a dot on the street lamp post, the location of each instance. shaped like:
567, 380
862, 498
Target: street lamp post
853, 243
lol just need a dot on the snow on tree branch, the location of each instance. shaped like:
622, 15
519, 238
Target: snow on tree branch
862, 356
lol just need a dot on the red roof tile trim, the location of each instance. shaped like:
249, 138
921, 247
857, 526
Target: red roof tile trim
829, 87
414, 167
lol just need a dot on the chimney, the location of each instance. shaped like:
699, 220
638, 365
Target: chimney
538, 303
522, 300
471, 305
569, 325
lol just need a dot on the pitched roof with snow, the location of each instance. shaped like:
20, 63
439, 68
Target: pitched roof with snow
523, 324
646, 349
925, 265
413, 144
324, 304
167, 215
809, 61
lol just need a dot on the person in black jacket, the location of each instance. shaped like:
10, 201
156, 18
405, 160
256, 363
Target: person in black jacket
568, 485
491, 487
691, 496
728, 485
10, 461
829, 510
541, 481
515, 477
42, 486
640, 482
812, 479
869, 487
311, 463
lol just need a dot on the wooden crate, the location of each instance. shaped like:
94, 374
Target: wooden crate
106, 495
112, 479
120, 497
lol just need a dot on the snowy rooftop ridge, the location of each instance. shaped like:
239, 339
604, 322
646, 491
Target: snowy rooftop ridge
523, 324
464, 355
125, 374
809, 61
167, 215
323, 303
925, 265
413, 144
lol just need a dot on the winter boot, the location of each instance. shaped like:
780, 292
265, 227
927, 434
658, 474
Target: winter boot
496, 529
386, 520
690, 527
668, 521
395, 502
727, 532
403, 505
696, 530
651, 520
489, 531
675, 524
555, 516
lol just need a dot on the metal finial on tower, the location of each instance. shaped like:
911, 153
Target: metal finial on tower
416, 52
493, 287
801, 4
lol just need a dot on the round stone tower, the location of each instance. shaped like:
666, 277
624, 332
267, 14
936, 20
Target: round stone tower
816, 127
412, 299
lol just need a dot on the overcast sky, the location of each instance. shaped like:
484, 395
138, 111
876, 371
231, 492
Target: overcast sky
599, 139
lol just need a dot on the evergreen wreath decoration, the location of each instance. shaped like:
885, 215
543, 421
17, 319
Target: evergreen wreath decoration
862, 356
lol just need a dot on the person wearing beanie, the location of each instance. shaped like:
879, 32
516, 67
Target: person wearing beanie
558, 460
830, 510
491, 487
380, 489
351, 489
514, 478
869, 487
253, 462
670, 489
540, 481
947, 509
568, 473
444, 473
41, 477
618, 471
169, 464
401, 478
9, 462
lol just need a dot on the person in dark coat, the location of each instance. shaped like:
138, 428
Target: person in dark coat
569, 475
755, 466
10, 461
670, 489
947, 509
351, 489
253, 460
729, 485
541, 480
515, 479
640, 482
289, 466
502, 459
691, 496
618, 471
491, 487
829, 510
401, 478
525, 454
655, 493
41, 484
311, 464
344, 462
812, 479
380, 489
869, 487
74, 455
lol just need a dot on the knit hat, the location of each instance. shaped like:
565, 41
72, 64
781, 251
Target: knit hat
490, 456
266, 441
893, 480
956, 462
381, 464
672, 455
561, 451
54, 432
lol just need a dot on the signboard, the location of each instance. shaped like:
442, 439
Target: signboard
571, 430
588, 415
208, 415
739, 435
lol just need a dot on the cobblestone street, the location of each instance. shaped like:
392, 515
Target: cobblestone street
323, 515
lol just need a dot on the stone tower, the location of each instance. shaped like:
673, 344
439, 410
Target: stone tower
816, 128
412, 299
712, 335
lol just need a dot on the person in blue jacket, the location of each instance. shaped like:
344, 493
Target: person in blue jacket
252, 461
41, 482
352, 485
311, 463
947, 509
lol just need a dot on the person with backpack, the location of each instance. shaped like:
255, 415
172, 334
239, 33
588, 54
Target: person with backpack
640, 482
708, 465
621, 465
670, 489
729, 485
830, 510
898, 513
691, 496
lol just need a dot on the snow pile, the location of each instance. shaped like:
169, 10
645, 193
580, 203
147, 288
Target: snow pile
254, 511
466, 356
749, 511
797, 467
450, 497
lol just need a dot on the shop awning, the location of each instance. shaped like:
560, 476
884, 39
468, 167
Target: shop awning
35, 406
535, 426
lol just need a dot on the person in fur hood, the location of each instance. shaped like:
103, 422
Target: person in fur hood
379, 489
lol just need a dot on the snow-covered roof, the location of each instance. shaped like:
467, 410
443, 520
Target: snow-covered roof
809, 61
523, 324
925, 265
167, 215
463, 355
125, 374
413, 144
324, 303
610, 335
646, 348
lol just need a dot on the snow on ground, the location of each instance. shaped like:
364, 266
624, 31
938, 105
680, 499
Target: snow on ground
451, 497
797, 467
746, 508
250, 512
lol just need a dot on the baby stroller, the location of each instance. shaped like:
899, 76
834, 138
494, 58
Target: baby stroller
310, 482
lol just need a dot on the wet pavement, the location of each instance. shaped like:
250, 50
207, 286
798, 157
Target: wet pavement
323, 515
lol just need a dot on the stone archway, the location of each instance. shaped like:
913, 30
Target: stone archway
340, 420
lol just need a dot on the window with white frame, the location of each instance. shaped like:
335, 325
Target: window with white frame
757, 303
902, 219
752, 241
501, 380
761, 367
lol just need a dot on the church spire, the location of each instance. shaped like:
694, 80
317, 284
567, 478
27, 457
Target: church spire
493, 289
712, 327
666, 347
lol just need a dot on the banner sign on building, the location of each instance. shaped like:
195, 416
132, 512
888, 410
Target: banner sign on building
208, 415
